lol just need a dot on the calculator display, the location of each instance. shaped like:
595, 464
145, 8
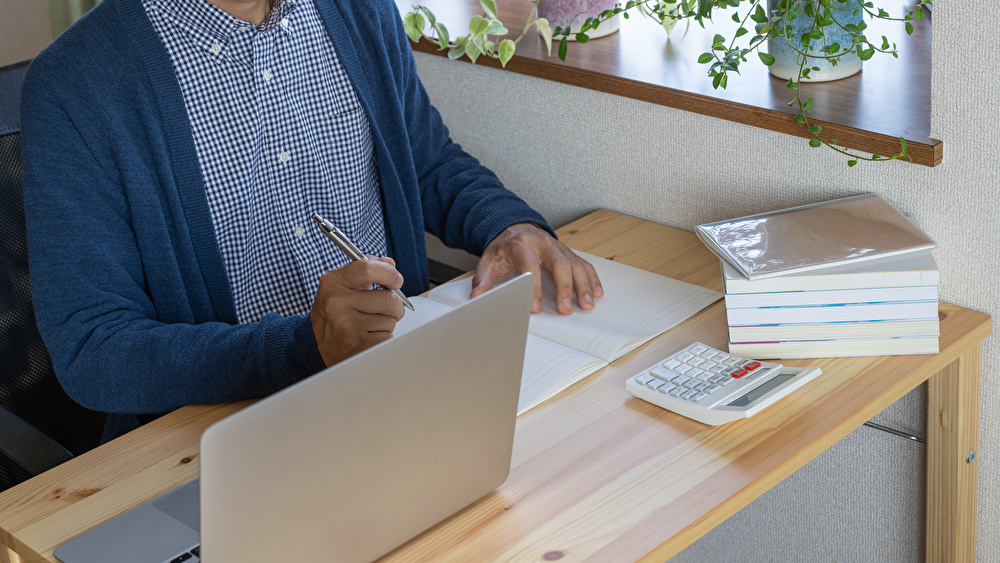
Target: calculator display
758, 392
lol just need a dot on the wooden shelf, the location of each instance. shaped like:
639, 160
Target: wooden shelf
869, 111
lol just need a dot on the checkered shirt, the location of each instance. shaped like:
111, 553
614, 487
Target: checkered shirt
280, 134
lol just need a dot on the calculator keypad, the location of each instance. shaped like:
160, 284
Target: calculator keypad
697, 372
714, 387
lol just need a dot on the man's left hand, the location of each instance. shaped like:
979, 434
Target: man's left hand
525, 247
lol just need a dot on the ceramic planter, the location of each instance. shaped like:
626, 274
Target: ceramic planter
786, 59
561, 12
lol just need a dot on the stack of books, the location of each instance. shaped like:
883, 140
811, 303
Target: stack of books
851, 277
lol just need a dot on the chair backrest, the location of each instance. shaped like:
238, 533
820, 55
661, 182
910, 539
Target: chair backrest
28, 386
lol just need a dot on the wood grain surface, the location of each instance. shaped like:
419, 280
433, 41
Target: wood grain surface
596, 475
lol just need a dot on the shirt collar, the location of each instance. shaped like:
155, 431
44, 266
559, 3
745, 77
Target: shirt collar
211, 25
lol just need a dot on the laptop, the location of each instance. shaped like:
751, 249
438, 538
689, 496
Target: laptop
350, 463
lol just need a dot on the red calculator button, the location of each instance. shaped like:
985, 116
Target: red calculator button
752, 366
738, 374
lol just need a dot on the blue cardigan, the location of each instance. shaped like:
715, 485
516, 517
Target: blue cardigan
130, 290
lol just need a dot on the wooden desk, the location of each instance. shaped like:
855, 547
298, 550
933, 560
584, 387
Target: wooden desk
597, 473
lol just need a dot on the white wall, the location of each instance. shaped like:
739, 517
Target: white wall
862, 500
24, 29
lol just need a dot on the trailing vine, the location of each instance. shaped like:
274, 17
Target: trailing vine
486, 37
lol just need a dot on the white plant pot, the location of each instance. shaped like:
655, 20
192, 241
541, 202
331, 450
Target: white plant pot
566, 12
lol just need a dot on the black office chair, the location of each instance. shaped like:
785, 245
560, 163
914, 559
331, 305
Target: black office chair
40, 426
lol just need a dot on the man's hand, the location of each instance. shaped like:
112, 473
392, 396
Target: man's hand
525, 247
347, 316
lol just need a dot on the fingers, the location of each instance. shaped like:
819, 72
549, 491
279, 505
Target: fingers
585, 282
527, 248
562, 275
347, 316
525, 259
385, 259
595, 280
482, 279
363, 273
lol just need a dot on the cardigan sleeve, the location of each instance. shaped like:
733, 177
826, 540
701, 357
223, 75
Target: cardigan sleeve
119, 342
464, 203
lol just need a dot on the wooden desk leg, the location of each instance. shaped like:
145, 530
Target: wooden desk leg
952, 474
8, 556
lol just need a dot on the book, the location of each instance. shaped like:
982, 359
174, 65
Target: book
833, 331
809, 237
832, 297
904, 270
836, 311
836, 348
563, 349
900, 311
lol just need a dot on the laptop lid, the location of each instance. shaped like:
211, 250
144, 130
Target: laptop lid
351, 463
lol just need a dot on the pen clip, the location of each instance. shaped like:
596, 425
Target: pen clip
339, 238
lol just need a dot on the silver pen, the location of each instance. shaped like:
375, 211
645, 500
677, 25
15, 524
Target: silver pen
345, 244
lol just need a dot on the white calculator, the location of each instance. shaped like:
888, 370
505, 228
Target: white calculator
716, 387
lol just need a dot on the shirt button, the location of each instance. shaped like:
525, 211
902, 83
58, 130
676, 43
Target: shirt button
284, 156
299, 231
284, 23
267, 75
216, 48
243, 28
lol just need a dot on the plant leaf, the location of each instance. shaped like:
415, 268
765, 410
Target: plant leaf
495, 27
490, 8
413, 24
430, 15
506, 51
766, 58
459, 49
478, 25
546, 32
442, 34
472, 51
705, 58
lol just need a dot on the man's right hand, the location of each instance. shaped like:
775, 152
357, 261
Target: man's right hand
347, 316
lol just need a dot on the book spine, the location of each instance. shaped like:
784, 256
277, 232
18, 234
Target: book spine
832, 282
836, 348
906, 310
833, 331
831, 297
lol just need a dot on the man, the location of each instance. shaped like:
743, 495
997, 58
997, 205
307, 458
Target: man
174, 151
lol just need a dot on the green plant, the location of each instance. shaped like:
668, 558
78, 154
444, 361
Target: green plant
481, 27
757, 24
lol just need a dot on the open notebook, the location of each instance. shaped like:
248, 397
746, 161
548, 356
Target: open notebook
563, 349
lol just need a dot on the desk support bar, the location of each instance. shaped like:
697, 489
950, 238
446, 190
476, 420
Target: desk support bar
952, 472
895, 432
